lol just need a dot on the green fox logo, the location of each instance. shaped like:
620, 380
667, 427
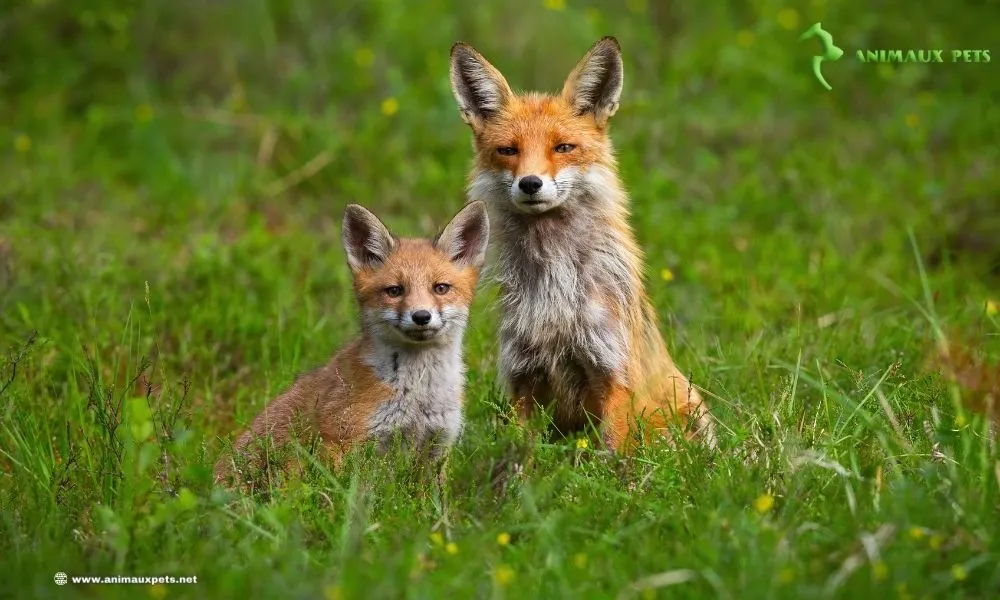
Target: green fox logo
830, 52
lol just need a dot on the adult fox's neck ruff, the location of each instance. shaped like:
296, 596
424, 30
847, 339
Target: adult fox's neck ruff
577, 331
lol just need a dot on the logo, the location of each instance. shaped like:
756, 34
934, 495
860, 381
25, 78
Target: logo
830, 52
61, 578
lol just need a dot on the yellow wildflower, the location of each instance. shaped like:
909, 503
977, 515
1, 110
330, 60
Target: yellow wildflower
503, 539
763, 503
555, 4
503, 575
992, 308
582, 443
959, 573
158, 591
436, 538
390, 106
880, 571
666, 275
451, 548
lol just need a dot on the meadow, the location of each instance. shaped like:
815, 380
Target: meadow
171, 189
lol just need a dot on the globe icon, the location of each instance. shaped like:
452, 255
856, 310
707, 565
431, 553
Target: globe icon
61, 578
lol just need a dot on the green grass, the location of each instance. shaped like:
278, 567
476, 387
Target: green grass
158, 233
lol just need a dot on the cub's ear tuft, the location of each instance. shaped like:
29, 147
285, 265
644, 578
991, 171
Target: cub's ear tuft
479, 88
367, 241
465, 238
595, 84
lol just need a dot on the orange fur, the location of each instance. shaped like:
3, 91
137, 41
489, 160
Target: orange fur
964, 364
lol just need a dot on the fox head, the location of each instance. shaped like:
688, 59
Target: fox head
536, 152
415, 291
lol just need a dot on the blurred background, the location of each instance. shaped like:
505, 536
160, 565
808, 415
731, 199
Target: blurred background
192, 158
216, 100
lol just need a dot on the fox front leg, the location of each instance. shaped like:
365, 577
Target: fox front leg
612, 405
527, 392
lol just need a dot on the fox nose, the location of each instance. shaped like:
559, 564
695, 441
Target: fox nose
421, 317
530, 184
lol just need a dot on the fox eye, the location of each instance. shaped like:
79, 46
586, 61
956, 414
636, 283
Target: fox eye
394, 291
564, 148
441, 288
507, 150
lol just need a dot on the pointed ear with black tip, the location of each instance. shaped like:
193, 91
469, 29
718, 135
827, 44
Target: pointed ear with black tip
479, 88
367, 241
595, 85
464, 240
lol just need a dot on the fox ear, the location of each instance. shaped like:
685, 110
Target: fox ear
464, 240
367, 241
479, 88
595, 85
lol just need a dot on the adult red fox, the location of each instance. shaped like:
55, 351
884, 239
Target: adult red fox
577, 331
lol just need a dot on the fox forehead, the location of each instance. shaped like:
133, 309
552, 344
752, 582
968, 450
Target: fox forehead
535, 124
537, 117
415, 263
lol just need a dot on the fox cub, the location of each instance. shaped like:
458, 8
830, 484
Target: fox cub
577, 331
404, 374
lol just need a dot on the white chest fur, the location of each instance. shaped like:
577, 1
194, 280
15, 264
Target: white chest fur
426, 405
555, 295
564, 276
